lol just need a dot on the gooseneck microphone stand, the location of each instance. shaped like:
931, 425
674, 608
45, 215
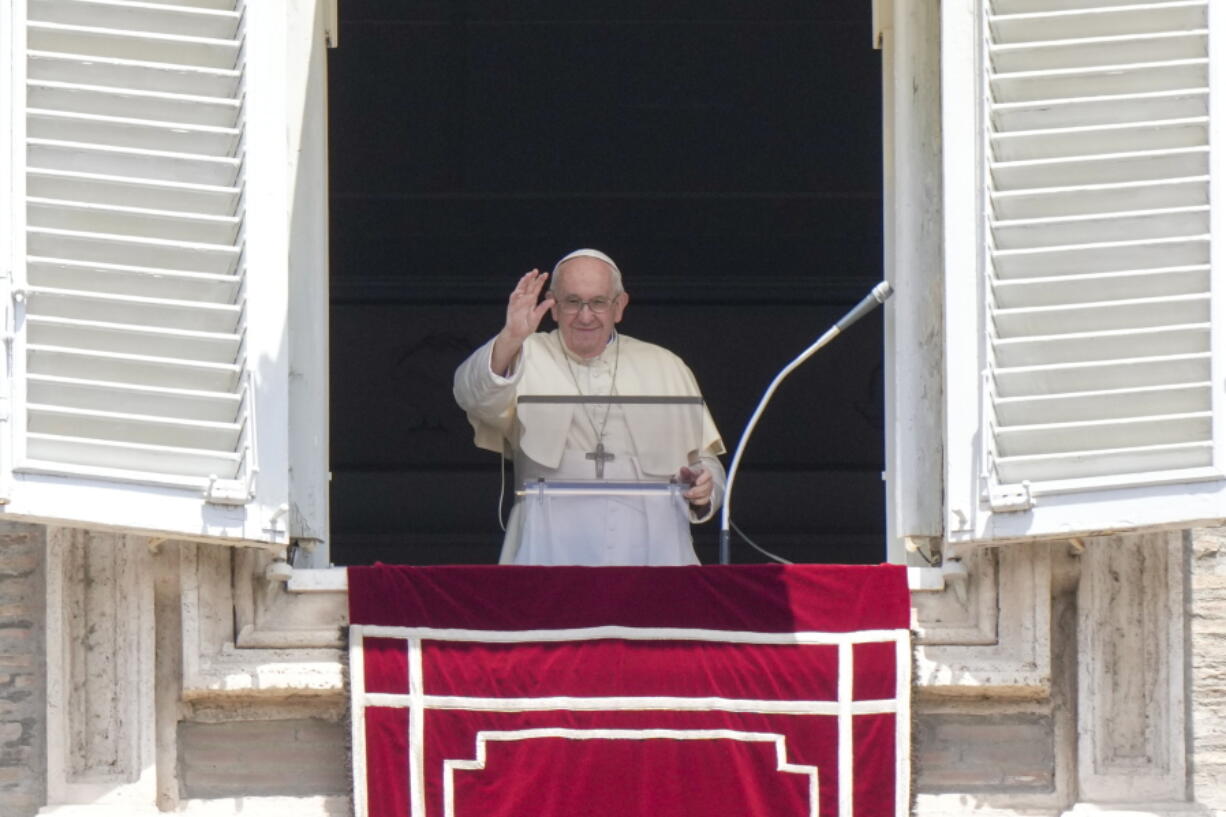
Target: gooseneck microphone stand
870, 302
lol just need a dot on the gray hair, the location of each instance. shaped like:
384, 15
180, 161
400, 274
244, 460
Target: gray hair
588, 253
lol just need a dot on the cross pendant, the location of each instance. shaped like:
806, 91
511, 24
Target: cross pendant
601, 457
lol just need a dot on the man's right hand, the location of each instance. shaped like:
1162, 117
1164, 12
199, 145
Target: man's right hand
524, 315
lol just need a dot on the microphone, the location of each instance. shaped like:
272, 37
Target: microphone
879, 295
868, 303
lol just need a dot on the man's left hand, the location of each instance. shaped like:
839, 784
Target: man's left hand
699, 480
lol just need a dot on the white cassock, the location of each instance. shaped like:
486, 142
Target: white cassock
556, 442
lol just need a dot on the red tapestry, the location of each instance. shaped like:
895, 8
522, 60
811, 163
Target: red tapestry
628, 692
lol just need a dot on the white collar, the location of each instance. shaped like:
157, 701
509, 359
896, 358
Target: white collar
601, 358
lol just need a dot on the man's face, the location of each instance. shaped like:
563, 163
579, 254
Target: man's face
586, 331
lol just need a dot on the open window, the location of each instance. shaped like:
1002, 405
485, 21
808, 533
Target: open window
1083, 373
153, 165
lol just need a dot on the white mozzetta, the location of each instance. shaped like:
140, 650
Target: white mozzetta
1079, 305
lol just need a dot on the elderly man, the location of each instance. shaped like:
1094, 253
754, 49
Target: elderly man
586, 356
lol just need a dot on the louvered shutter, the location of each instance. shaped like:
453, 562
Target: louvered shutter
147, 369
1080, 366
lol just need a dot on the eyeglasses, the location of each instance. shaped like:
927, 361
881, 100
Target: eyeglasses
572, 305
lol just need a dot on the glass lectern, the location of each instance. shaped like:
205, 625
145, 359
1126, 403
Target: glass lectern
598, 478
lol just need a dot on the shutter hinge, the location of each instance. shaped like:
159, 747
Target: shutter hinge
1010, 498
228, 491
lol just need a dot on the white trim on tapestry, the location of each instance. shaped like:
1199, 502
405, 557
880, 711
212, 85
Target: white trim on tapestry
902, 725
478, 763
630, 634
844, 708
336, 579
643, 703
847, 677
357, 716
417, 732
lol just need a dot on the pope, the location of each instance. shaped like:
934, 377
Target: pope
587, 357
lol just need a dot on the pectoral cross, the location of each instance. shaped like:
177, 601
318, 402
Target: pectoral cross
601, 457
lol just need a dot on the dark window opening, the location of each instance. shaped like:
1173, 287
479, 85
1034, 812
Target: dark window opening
726, 153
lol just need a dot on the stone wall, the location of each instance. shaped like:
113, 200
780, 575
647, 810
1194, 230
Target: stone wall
1087, 709
992, 726
1207, 641
23, 753
291, 758
1051, 680
976, 748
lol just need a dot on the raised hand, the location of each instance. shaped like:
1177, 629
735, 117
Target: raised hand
524, 315
523, 312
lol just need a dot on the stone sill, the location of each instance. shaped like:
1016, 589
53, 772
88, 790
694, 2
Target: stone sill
227, 807
1001, 805
336, 579
318, 580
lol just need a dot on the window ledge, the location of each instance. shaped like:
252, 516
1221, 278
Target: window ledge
318, 580
336, 579
926, 579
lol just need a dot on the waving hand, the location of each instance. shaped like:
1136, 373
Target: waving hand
524, 315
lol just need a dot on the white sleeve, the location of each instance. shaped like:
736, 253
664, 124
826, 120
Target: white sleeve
718, 480
483, 394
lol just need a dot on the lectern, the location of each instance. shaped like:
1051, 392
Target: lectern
597, 478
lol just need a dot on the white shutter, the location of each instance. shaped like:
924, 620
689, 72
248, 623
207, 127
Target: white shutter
1080, 368
147, 366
